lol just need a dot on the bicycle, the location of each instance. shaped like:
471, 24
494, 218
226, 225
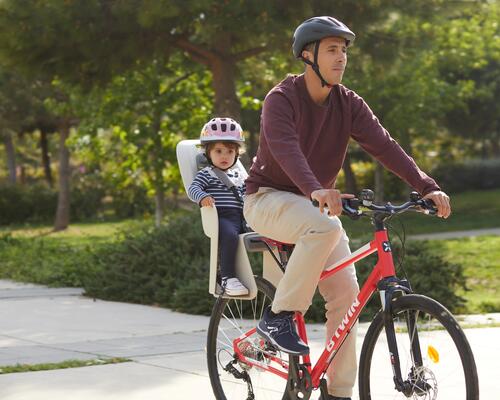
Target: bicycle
423, 351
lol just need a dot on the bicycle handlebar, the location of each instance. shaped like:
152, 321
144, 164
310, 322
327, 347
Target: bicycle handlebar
350, 207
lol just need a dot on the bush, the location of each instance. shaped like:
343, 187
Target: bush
364, 171
469, 175
169, 266
428, 274
44, 261
130, 202
86, 196
38, 203
19, 203
166, 266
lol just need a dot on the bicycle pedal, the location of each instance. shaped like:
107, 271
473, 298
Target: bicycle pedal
269, 347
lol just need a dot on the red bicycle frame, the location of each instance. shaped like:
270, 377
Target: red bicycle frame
383, 269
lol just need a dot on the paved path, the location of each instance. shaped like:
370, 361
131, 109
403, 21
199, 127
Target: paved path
456, 234
51, 325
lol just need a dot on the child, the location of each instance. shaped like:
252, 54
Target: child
221, 138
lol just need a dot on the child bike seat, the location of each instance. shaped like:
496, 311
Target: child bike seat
191, 159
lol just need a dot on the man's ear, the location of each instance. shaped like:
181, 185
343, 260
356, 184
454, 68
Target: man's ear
306, 54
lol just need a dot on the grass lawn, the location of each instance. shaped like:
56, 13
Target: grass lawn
77, 234
471, 210
480, 257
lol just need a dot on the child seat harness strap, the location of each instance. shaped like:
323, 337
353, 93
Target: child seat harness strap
228, 182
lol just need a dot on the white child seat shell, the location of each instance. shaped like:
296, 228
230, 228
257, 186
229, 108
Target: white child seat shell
187, 152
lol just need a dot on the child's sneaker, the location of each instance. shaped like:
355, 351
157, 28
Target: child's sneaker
233, 287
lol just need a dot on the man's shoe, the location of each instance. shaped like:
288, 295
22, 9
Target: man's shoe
279, 330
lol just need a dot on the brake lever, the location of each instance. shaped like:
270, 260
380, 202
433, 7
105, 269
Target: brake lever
427, 206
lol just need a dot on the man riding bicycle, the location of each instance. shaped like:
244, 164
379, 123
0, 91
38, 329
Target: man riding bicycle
307, 121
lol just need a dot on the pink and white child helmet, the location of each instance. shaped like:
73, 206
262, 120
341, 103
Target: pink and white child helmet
221, 130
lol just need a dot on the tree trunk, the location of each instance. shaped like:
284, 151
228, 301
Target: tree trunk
253, 144
22, 174
379, 182
223, 67
350, 179
62, 214
227, 103
44, 146
11, 155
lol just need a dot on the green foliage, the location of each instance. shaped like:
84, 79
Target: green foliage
167, 266
128, 134
364, 171
469, 175
472, 53
44, 261
42, 35
428, 272
480, 257
32, 203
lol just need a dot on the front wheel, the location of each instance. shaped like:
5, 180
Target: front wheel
435, 357
232, 324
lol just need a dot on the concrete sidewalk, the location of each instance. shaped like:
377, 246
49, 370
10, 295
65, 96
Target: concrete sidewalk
42, 325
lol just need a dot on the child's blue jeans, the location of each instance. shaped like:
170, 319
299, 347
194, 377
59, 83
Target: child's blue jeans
230, 226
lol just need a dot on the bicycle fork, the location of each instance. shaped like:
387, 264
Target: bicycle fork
389, 288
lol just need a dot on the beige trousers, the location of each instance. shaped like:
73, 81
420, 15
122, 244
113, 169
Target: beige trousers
319, 242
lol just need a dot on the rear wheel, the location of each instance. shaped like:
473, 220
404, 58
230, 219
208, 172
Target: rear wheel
232, 378
447, 369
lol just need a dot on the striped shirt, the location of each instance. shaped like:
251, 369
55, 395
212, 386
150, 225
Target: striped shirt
206, 184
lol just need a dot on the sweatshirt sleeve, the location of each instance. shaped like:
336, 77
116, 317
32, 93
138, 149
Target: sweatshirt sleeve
196, 191
374, 139
281, 135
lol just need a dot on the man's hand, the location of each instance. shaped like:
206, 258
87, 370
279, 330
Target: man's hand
442, 202
207, 201
332, 198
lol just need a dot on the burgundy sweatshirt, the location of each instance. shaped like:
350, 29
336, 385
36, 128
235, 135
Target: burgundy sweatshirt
303, 144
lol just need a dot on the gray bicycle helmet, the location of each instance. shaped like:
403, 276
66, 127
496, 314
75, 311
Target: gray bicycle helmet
312, 31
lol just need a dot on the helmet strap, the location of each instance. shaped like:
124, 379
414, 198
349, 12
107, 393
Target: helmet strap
315, 66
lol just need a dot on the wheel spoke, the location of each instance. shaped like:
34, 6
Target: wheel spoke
428, 325
229, 321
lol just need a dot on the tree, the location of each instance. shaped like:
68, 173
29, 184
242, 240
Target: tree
14, 99
145, 112
398, 73
470, 52
6, 136
85, 42
63, 104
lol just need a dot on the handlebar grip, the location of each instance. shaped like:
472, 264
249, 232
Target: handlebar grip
349, 207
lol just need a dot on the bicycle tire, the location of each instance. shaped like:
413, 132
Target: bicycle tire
221, 380
439, 334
